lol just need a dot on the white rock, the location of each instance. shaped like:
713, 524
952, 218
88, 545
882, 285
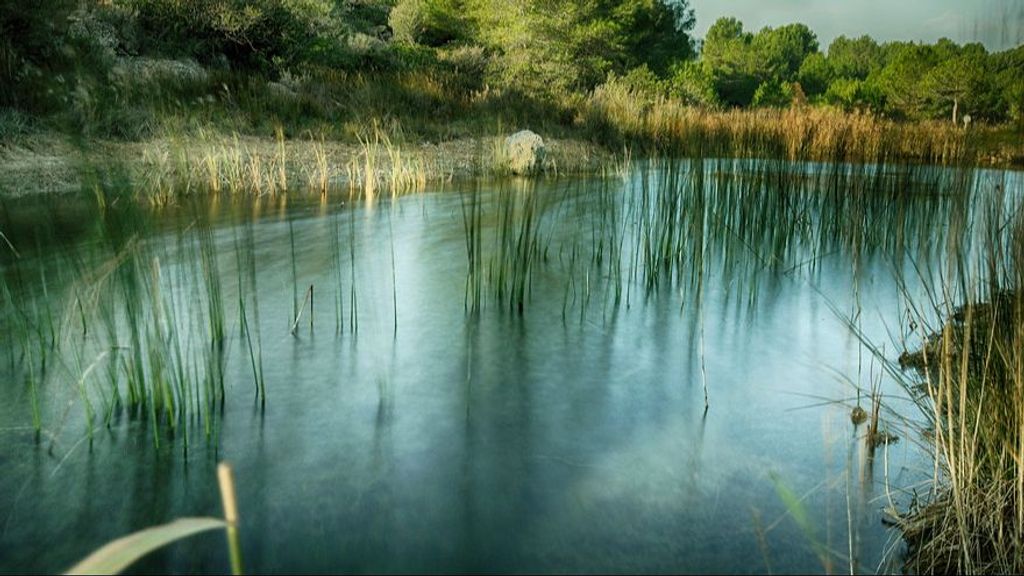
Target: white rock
525, 151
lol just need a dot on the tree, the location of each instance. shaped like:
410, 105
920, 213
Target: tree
780, 52
1009, 84
547, 46
572, 45
855, 58
728, 60
725, 44
741, 62
773, 94
815, 75
957, 81
656, 33
847, 93
34, 52
270, 34
691, 83
901, 80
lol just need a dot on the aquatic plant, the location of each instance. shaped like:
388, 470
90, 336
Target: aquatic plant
120, 554
969, 390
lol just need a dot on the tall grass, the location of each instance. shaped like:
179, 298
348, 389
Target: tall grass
472, 212
245, 262
799, 133
159, 349
519, 239
971, 394
679, 222
384, 166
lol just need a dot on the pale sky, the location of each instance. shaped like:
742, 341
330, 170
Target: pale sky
999, 24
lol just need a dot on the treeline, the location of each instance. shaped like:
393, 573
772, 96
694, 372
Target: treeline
775, 67
81, 60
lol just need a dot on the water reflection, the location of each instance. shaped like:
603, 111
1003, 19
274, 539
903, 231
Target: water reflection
558, 425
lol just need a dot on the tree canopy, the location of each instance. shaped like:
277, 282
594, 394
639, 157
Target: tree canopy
566, 45
539, 48
901, 79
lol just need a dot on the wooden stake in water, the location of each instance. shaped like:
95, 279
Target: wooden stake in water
227, 495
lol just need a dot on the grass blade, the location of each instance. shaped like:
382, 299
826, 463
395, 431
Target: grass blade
123, 552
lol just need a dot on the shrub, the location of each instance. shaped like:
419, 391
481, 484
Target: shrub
464, 68
694, 85
773, 94
427, 22
265, 34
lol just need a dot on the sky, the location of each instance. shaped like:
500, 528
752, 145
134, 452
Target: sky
998, 24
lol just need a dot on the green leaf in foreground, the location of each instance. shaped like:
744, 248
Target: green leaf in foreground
794, 505
796, 509
123, 552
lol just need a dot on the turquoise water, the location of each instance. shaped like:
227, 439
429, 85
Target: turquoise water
404, 431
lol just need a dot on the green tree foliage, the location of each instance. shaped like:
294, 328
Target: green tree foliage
547, 46
56, 55
559, 46
781, 66
773, 94
31, 28
48, 49
901, 81
366, 15
727, 57
741, 62
778, 53
268, 34
1009, 82
816, 74
956, 83
655, 33
851, 94
693, 84
855, 58
428, 22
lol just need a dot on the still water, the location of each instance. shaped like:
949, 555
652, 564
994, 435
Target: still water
409, 428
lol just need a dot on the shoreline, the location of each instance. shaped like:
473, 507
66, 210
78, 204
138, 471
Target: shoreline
48, 164
51, 163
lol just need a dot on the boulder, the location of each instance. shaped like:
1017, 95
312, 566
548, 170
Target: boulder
148, 71
525, 152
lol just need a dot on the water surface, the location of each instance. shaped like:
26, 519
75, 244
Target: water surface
412, 428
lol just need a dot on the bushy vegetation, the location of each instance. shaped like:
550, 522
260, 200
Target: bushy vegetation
899, 79
131, 69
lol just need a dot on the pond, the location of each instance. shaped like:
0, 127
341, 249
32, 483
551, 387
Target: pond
497, 376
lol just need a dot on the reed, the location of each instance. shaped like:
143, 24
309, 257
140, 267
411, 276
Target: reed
319, 173
336, 264
755, 218
667, 125
119, 555
968, 382
245, 264
308, 299
295, 273
353, 312
151, 356
519, 237
385, 166
394, 271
